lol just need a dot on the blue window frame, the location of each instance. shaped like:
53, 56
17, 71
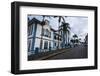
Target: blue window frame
46, 45
30, 29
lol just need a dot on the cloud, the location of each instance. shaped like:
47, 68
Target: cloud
78, 24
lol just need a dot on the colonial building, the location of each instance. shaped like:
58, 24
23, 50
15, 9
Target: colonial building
42, 37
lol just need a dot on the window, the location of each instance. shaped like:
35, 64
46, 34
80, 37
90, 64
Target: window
43, 30
47, 32
46, 45
49, 44
61, 32
50, 34
55, 43
30, 29
54, 36
29, 45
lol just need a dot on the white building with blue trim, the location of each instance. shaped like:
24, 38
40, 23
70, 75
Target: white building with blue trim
42, 37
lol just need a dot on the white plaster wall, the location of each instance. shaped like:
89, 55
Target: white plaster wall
32, 31
38, 32
37, 43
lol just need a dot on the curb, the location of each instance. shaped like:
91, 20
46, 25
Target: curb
51, 55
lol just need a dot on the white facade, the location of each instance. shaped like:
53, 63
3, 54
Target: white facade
43, 38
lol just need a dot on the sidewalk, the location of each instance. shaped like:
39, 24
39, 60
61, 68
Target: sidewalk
46, 55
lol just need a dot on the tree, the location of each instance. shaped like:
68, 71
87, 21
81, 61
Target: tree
72, 40
79, 40
66, 32
65, 28
59, 21
75, 36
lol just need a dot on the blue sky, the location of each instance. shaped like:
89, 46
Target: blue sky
78, 24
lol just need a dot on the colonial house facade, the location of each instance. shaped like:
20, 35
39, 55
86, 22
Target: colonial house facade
42, 38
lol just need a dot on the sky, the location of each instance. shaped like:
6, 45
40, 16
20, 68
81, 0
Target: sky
78, 24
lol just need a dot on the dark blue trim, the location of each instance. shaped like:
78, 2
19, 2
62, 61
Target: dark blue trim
34, 36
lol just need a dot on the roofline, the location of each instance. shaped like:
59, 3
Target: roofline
34, 20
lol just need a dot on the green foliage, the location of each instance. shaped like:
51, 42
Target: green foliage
75, 36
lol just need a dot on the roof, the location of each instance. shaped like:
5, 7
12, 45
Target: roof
34, 20
58, 34
53, 30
